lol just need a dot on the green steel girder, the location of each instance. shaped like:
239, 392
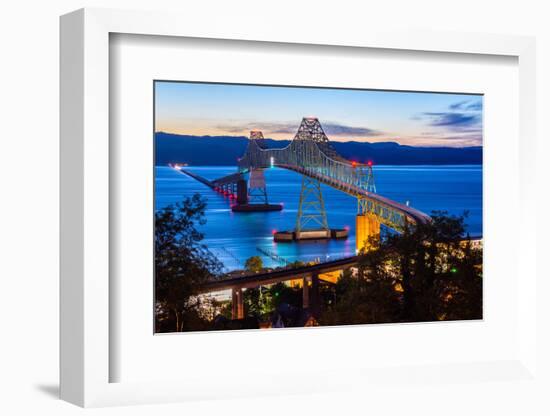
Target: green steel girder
311, 209
311, 155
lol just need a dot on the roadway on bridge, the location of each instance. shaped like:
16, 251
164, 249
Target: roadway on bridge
277, 276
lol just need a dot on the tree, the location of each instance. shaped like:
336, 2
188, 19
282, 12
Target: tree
371, 296
438, 270
428, 272
182, 263
281, 293
254, 264
257, 301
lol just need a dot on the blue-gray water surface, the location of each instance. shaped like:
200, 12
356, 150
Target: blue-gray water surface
234, 237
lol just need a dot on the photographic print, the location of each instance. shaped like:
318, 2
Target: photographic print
288, 206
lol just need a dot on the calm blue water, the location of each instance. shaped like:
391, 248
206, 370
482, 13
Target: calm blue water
233, 237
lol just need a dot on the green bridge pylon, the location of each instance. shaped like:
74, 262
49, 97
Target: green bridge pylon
312, 214
257, 190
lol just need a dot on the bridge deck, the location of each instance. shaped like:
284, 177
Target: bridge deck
358, 192
414, 214
198, 177
278, 276
232, 178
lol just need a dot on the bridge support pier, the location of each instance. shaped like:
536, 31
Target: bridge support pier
257, 191
237, 304
366, 227
242, 192
312, 214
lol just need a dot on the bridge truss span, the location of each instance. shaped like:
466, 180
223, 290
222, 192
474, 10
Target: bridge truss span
311, 155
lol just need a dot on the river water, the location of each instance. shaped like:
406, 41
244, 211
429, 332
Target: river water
234, 237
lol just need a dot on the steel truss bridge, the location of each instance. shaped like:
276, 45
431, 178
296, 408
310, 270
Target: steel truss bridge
311, 155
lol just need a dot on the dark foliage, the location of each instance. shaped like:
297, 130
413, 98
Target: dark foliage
254, 264
429, 272
182, 263
425, 274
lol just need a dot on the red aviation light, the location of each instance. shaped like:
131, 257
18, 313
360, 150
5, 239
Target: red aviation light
369, 163
353, 163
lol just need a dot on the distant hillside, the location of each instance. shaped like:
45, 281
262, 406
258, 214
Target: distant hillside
224, 150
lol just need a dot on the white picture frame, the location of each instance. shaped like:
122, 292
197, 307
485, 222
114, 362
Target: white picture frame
85, 206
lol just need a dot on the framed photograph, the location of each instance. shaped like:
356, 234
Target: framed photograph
343, 244
325, 203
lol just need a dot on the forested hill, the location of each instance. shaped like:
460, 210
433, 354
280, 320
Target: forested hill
224, 151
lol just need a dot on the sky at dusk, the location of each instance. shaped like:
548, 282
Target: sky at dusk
412, 118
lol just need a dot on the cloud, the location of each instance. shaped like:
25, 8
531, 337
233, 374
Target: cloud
331, 129
442, 139
468, 105
278, 128
477, 106
265, 127
460, 125
458, 106
474, 139
454, 120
